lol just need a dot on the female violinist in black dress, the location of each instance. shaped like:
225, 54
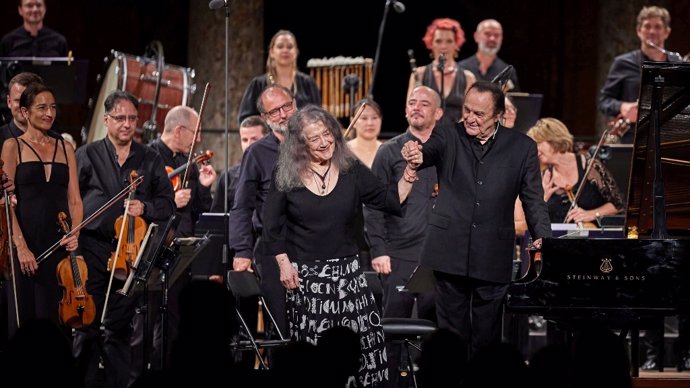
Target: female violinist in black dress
43, 167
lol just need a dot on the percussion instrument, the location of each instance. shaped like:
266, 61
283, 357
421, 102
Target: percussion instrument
329, 74
138, 76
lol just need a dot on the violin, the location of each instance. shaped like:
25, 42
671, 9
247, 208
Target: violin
77, 308
126, 252
6, 250
616, 129
571, 197
5, 241
174, 174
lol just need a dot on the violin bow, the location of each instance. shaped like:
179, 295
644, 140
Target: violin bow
90, 218
354, 120
185, 177
573, 203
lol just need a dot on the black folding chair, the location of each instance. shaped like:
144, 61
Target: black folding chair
244, 284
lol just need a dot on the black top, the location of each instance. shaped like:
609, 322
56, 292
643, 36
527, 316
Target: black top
498, 65
304, 88
201, 196
456, 97
256, 171
310, 227
232, 175
600, 188
101, 178
20, 43
623, 82
391, 235
38, 203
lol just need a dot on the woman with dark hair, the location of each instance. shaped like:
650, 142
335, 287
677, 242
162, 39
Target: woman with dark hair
367, 131
281, 69
318, 186
44, 170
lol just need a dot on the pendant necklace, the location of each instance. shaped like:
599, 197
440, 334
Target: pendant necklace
322, 177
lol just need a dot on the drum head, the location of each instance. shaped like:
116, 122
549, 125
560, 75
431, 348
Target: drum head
110, 80
139, 77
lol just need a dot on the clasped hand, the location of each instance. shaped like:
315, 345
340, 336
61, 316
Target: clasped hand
412, 153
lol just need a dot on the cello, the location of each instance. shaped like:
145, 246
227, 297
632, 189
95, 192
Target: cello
77, 308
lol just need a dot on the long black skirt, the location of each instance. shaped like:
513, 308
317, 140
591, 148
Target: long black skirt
332, 293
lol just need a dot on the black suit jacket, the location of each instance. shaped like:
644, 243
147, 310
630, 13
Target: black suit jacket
471, 228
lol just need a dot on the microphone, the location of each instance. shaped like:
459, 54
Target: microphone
501, 77
216, 4
442, 63
398, 6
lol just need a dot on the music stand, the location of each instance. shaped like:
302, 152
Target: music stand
528, 110
421, 280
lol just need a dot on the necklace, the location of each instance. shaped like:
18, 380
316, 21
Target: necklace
315, 174
43, 141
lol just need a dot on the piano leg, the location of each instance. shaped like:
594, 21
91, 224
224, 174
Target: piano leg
634, 350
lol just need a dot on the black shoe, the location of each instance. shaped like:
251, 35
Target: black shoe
650, 364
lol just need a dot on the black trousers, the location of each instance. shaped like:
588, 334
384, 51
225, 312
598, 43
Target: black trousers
110, 339
472, 307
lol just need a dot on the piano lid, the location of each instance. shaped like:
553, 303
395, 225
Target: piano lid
664, 103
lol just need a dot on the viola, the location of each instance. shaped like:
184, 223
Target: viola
77, 308
174, 174
127, 249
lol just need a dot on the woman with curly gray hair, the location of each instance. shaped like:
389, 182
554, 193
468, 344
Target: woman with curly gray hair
309, 214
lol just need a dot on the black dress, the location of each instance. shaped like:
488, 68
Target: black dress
38, 203
600, 188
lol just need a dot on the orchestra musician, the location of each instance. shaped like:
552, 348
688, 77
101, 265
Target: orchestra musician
251, 130
104, 169
17, 125
276, 104
174, 146
444, 37
485, 64
281, 69
44, 169
619, 95
396, 242
32, 38
564, 172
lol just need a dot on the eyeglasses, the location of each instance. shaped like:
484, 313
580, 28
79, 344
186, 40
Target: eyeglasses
287, 107
122, 118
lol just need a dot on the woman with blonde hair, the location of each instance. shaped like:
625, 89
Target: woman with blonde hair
281, 69
563, 173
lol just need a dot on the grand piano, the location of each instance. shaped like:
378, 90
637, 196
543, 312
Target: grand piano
628, 283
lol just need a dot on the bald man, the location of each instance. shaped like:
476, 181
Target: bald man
486, 64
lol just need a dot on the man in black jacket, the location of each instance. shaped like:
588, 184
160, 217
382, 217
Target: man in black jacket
482, 169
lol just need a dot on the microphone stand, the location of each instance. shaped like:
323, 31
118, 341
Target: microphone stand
213, 5
378, 48
442, 68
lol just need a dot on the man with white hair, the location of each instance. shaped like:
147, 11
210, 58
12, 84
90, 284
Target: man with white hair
486, 64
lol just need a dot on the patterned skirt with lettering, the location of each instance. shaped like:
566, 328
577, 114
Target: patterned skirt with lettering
334, 292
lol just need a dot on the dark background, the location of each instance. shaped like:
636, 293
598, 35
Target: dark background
555, 46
